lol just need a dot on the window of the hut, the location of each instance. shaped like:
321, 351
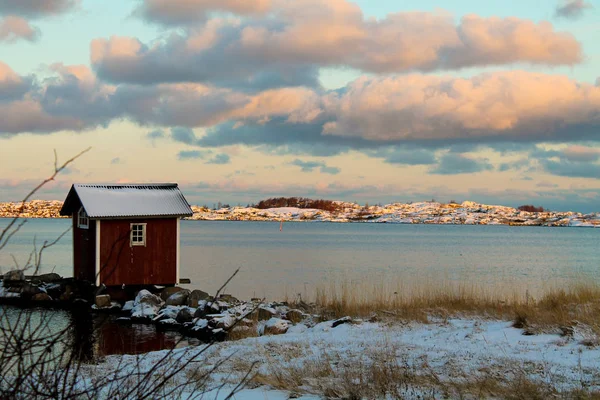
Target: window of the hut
83, 221
138, 234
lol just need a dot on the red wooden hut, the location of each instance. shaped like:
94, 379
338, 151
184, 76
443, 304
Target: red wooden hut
126, 234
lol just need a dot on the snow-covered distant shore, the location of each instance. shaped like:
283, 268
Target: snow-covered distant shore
466, 213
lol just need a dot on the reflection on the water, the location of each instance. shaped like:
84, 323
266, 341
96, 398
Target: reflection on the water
116, 338
93, 335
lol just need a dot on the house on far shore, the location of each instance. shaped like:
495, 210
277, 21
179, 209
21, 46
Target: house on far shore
126, 234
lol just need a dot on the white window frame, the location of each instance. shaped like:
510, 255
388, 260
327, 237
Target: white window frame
83, 221
141, 242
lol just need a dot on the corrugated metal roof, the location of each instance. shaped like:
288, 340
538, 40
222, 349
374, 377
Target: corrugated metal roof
127, 200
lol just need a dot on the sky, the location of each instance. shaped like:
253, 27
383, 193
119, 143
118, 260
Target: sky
372, 101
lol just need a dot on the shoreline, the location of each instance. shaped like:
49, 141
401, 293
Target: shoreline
458, 344
427, 213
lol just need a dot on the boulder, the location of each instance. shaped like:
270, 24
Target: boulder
343, 320
295, 316
224, 321
195, 297
67, 294
178, 298
29, 290
41, 297
202, 311
128, 306
14, 276
228, 298
275, 326
145, 297
167, 292
103, 301
185, 315
47, 278
266, 313
167, 312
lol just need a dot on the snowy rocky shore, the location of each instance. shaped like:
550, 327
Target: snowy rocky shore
466, 213
295, 353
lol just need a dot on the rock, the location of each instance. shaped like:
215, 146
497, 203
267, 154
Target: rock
29, 290
41, 297
67, 294
54, 289
47, 278
338, 322
223, 322
185, 315
128, 306
167, 292
178, 298
228, 298
295, 316
145, 297
195, 297
144, 312
14, 276
167, 312
245, 322
266, 313
275, 326
103, 300
201, 311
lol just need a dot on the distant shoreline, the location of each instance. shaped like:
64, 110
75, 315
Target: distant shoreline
432, 213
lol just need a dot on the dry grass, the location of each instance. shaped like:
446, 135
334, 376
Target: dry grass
557, 310
387, 373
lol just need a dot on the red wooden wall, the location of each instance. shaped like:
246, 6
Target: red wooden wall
84, 251
155, 263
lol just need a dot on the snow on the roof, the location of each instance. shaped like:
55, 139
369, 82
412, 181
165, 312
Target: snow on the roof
129, 200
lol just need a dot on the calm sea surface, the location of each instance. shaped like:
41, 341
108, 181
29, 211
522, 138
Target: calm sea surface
304, 256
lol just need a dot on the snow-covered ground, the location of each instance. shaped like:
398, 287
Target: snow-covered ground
468, 213
321, 357
428, 212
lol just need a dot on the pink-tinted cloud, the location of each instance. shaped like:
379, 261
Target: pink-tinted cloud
517, 105
317, 33
12, 86
37, 8
371, 111
13, 28
581, 153
176, 12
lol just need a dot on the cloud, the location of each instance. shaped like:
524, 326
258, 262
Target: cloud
574, 161
515, 106
297, 38
507, 111
12, 86
37, 8
156, 134
14, 28
309, 166
518, 165
183, 135
581, 153
571, 8
451, 164
546, 184
219, 62
572, 169
406, 156
182, 12
220, 159
193, 154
